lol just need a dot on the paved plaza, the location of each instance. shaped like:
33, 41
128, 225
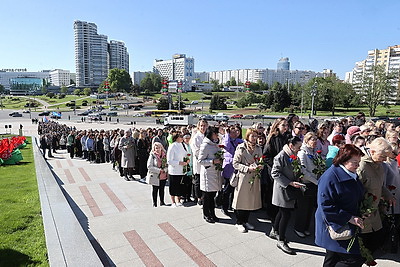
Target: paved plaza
125, 230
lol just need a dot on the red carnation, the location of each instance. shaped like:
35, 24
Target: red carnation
256, 158
374, 198
391, 187
189, 155
319, 151
264, 157
221, 146
293, 157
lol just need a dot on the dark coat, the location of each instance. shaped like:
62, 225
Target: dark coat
339, 196
275, 146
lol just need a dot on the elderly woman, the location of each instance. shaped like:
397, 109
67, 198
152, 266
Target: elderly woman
247, 194
339, 195
157, 173
176, 160
210, 175
286, 190
127, 145
372, 176
307, 203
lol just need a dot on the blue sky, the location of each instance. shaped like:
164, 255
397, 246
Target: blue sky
219, 34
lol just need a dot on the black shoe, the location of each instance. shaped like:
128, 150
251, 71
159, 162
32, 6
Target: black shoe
209, 220
215, 218
225, 212
154, 205
282, 245
162, 204
273, 234
126, 178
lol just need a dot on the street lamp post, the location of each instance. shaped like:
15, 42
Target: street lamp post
313, 94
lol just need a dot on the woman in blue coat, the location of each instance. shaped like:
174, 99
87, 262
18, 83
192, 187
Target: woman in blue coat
339, 195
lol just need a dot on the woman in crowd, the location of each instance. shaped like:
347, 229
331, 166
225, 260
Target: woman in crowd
175, 159
143, 148
157, 173
322, 141
337, 130
298, 130
339, 194
247, 194
276, 139
107, 148
128, 148
307, 203
90, 147
372, 176
286, 190
71, 143
196, 141
99, 149
210, 176
188, 176
337, 142
230, 142
117, 153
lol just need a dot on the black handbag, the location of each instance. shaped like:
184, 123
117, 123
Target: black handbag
292, 193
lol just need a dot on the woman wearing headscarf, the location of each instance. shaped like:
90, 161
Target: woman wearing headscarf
157, 172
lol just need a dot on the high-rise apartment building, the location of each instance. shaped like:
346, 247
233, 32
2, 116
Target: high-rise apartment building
283, 64
179, 68
119, 57
94, 56
389, 58
268, 76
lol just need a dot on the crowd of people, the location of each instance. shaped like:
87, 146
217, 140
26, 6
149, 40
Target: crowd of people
322, 171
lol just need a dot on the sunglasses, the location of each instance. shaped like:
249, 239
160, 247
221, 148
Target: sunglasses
300, 128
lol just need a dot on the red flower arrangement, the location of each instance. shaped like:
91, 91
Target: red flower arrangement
296, 166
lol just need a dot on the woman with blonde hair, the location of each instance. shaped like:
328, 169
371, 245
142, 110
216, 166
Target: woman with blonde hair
372, 176
157, 172
247, 194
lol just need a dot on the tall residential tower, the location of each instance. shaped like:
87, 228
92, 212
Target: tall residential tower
94, 56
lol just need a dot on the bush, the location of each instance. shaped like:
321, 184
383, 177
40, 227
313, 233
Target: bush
61, 96
84, 103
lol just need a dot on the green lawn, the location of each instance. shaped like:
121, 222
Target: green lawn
10, 102
21, 232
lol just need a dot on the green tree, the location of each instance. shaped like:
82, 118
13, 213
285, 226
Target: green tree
280, 97
119, 79
63, 89
377, 88
50, 94
77, 92
87, 91
233, 81
2, 89
151, 82
216, 86
163, 104
218, 102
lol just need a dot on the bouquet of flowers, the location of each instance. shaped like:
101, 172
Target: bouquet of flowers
296, 167
219, 155
186, 168
258, 161
366, 208
163, 163
319, 162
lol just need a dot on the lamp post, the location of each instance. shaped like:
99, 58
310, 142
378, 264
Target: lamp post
313, 94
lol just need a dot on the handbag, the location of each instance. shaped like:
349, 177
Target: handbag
343, 233
292, 193
234, 180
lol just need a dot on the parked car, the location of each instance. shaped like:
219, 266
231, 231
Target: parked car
248, 117
85, 113
259, 116
206, 117
114, 113
26, 111
237, 116
44, 113
15, 114
113, 108
136, 108
94, 117
194, 102
221, 117
138, 115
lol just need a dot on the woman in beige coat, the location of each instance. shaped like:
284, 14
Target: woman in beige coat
372, 175
247, 195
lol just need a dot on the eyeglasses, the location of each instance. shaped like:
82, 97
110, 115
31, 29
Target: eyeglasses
300, 128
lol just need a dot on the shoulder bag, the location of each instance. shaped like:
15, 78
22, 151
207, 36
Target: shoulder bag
343, 233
